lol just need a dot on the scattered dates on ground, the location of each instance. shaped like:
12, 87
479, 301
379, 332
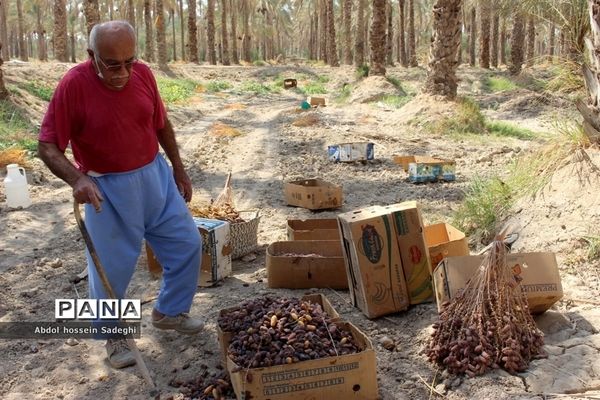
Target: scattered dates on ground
274, 331
488, 325
206, 387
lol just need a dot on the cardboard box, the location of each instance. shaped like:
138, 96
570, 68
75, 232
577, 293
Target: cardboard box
444, 240
408, 228
216, 252
349, 152
313, 229
346, 376
316, 101
373, 263
427, 169
225, 337
313, 194
306, 264
539, 273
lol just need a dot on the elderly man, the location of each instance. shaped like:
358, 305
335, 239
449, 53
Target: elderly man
109, 109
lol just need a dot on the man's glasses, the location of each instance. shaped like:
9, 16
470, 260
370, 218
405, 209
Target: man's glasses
117, 66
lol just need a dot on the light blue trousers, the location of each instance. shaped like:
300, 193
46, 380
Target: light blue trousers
145, 203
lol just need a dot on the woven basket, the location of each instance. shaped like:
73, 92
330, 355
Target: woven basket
244, 235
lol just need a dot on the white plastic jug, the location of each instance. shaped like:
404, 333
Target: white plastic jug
15, 186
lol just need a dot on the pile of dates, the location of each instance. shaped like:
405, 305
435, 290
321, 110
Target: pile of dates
273, 331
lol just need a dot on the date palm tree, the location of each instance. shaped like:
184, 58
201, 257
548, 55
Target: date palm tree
441, 77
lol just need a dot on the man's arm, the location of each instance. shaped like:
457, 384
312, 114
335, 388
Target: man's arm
84, 189
166, 138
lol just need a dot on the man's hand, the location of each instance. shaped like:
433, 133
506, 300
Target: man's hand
86, 191
184, 184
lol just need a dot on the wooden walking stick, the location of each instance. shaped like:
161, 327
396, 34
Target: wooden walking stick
111, 294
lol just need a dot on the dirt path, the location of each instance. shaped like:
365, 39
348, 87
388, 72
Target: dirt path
40, 247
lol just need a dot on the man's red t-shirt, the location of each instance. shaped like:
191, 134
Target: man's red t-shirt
109, 131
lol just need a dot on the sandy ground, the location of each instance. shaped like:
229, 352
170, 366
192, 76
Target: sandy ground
40, 247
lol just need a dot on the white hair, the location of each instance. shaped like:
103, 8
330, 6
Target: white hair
98, 28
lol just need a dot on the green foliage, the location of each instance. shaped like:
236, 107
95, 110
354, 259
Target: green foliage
39, 89
567, 78
571, 132
501, 128
322, 79
394, 81
259, 63
313, 88
362, 71
344, 94
15, 129
593, 247
395, 100
218, 86
498, 84
259, 88
467, 119
176, 90
486, 201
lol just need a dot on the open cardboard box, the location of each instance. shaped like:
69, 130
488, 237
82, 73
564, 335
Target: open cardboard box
224, 337
349, 152
313, 229
444, 240
313, 194
373, 263
337, 378
427, 169
306, 264
539, 273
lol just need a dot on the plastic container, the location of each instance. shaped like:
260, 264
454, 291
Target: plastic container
15, 186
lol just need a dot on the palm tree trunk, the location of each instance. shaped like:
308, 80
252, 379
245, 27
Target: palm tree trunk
390, 34
517, 43
589, 109
210, 32
401, 31
72, 36
484, 38
4, 30
441, 77
530, 40
412, 45
503, 42
472, 37
348, 32
21, 26
224, 40
246, 37
161, 40
92, 14
495, 39
182, 29
552, 41
4, 93
42, 53
131, 13
377, 38
332, 56
60, 31
359, 38
172, 18
149, 48
234, 49
192, 46
323, 34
